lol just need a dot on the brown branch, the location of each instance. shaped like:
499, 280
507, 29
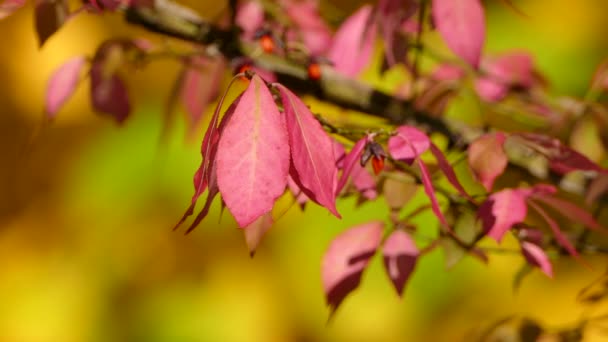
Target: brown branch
332, 87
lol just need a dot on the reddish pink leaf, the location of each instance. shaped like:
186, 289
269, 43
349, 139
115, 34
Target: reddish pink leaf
430, 192
537, 257
461, 24
199, 89
559, 235
50, 15
353, 43
408, 143
253, 155
448, 171
349, 162
487, 158
62, 84
9, 6
570, 211
346, 258
511, 69
312, 151
400, 256
502, 210
109, 93
256, 230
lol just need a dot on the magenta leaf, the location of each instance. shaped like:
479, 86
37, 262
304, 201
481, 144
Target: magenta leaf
253, 155
312, 151
448, 171
298, 193
256, 230
346, 258
408, 143
430, 192
537, 257
570, 210
364, 182
109, 93
350, 161
400, 256
353, 43
502, 210
487, 158
9, 6
490, 90
461, 24
62, 84
559, 235
50, 15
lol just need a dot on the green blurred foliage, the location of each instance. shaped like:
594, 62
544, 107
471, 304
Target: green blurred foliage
86, 247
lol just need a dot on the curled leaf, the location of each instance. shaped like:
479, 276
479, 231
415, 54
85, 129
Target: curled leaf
502, 210
537, 257
400, 255
346, 258
408, 143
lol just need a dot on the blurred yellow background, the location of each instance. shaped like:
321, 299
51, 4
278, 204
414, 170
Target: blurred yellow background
86, 247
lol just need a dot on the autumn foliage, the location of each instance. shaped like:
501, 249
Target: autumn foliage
478, 177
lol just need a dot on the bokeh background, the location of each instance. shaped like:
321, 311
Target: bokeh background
86, 210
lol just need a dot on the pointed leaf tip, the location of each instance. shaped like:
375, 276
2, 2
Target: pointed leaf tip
502, 210
346, 258
253, 155
461, 24
537, 257
256, 231
62, 84
400, 256
312, 151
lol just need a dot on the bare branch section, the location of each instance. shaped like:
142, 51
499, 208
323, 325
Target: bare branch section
332, 87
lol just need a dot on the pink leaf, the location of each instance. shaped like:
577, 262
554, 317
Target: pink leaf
62, 84
9, 6
50, 15
487, 158
253, 155
448, 171
109, 93
199, 89
349, 162
312, 151
408, 143
559, 235
447, 72
502, 210
353, 43
537, 257
461, 24
400, 256
256, 230
430, 192
346, 258
490, 90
